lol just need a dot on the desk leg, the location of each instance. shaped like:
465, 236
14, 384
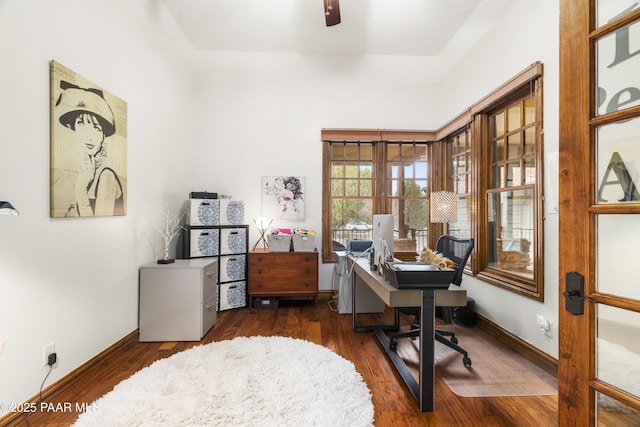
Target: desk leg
427, 344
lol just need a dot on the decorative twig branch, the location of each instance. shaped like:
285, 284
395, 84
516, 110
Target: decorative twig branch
171, 228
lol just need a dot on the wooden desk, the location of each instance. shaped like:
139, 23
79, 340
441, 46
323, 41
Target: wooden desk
426, 299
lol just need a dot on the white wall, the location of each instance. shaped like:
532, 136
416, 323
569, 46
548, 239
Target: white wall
75, 281
201, 121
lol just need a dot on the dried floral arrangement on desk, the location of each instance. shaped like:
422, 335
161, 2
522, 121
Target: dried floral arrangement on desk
430, 256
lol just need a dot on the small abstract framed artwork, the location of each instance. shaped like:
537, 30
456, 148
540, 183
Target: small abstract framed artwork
88, 148
283, 197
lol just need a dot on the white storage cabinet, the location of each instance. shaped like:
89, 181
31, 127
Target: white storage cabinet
178, 301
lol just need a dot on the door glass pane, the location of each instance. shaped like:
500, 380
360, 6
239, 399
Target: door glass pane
618, 348
616, 238
610, 10
617, 62
618, 162
611, 413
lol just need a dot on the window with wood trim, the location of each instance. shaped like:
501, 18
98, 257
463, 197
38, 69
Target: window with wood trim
458, 147
375, 172
511, 160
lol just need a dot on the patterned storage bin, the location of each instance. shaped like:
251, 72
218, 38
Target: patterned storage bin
304, 243
233, 241
232, 267
203, 212
279, 242
231, 212
204, 242
232, 295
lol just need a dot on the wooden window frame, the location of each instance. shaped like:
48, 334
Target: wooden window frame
476, 119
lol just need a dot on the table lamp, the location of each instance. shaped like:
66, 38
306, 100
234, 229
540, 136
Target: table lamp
444, 207
263, 225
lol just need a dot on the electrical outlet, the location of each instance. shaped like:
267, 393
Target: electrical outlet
544, 325
46, 351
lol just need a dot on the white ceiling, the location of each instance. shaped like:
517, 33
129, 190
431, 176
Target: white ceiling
385, 27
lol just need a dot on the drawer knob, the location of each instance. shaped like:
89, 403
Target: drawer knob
307, 270
259, 259
259, 271
259, 285
307, 284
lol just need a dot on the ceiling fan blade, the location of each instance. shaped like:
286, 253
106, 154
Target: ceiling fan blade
331, 12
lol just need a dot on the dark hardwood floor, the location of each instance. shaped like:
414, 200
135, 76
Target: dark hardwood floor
394, 405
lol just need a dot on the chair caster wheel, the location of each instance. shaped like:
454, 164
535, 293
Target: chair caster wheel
466, 361
393, 345
454, 340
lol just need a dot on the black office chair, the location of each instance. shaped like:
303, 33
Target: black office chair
457, 250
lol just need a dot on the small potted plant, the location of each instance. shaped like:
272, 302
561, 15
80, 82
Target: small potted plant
171, 228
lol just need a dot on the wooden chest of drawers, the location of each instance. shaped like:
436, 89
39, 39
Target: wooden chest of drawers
284, 274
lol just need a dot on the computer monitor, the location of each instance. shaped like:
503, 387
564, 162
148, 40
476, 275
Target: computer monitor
358, 246
382, 234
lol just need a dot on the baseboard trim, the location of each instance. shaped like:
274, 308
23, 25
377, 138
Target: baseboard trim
517, 344
50, 393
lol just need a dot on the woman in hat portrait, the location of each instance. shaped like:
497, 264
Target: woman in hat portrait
97, 189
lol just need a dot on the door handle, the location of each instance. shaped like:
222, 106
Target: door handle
574, 293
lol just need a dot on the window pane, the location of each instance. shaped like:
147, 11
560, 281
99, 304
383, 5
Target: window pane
421, 169
366, 188
513, 174
411, 216
617, 78
408, 171
513, 118
513, 146
498, 151
497, 176
618, 170
351, 187
393, 170
529, 140
529, 170
407, 151
497, 125
351, 170
462, 227
351, 152
421, 152
351, 219
392, 188
337, 171
393, 152
529, 111
337, 188
366, 152
511, 233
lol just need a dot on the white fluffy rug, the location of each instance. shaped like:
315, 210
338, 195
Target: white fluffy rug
254, 381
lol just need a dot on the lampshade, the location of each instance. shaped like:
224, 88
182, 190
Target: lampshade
7, 208
444, 207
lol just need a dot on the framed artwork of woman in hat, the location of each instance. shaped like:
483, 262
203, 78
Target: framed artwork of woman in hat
88, 149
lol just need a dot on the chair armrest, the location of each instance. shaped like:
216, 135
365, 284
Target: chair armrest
451, 297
